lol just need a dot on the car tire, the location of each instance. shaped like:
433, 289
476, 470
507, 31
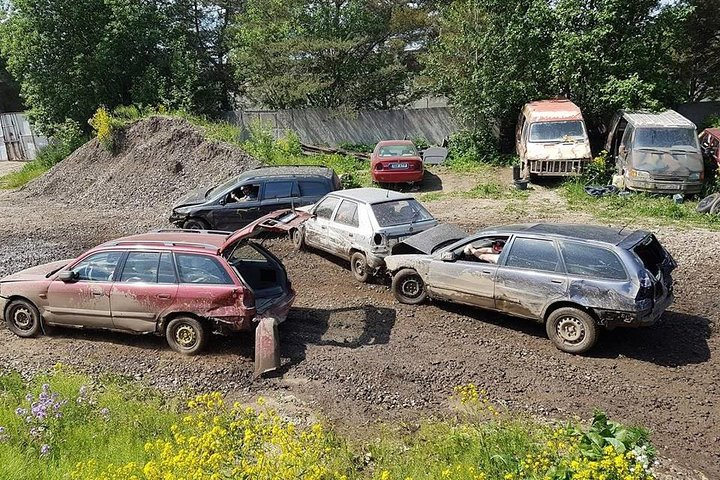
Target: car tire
408, 287
706, 204
196, 224
715, 208
572, 330
359, 267
23, 318
186, 335
297, 236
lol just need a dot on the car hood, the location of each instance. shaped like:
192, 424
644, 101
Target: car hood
659, 161
426, 242
558, 151
279, 221
39, 272
195, 197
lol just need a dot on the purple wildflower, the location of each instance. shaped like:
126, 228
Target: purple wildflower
45, 450
105, 412
21, 412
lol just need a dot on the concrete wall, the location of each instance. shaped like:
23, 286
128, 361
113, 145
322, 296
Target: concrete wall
332, 127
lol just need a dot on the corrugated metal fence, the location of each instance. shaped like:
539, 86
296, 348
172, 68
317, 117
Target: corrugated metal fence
321, 126
17, 141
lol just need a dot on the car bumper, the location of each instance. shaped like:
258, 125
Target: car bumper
178, 218
401, 176
279, 310
663, 186
644, 318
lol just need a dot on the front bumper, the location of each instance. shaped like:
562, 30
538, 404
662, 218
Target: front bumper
397, 176
557, 168
178, 218
663, 186
644, 318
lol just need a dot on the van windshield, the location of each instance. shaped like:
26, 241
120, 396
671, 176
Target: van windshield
569, 131
666, 138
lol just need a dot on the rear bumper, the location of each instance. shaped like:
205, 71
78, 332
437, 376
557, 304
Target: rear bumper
400, 176
279, 310
644, 318
662, 186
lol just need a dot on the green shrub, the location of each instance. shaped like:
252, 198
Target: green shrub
599, 171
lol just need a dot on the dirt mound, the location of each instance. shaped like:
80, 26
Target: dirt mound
159, 160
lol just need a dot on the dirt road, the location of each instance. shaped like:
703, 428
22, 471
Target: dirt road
351, 352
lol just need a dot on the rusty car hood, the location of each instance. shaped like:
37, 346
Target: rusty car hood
428, 241
558, 151
279, 221
39, 272
663, 161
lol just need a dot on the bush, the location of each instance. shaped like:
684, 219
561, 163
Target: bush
107, 126
599, 171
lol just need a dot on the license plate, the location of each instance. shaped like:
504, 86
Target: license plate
398, 165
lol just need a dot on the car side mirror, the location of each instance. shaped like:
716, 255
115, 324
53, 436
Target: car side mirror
621, 150
222, 201
447, 256
68, 276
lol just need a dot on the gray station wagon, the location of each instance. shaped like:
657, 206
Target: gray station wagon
573, 278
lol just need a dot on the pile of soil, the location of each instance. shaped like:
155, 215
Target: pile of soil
158, 160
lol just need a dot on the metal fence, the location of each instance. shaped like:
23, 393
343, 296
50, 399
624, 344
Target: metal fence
17, 141
321, 126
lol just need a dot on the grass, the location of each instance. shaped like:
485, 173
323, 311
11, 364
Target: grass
64, 425
639, 207
46, 159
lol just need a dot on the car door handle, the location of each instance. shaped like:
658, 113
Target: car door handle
350, 235
164, 296
557, 281
486, 272
98, 293
323, 227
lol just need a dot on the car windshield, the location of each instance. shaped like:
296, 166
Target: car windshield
398, 151
221, 188
666, 138
569, 131
399, 212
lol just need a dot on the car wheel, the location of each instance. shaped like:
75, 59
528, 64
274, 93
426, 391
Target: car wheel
572, 330
359, 267
408, 287
715, 208
195, 224
705, 205
186, 335
297, 236
22, 318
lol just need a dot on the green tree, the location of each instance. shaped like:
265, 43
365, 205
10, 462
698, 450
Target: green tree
331, 53
71, 56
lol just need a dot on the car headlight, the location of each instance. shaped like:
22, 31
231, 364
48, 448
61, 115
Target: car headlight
639, 173
181, 210
695, 177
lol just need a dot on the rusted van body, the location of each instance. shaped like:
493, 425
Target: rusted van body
551, 139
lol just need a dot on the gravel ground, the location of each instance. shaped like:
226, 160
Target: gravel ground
355, 356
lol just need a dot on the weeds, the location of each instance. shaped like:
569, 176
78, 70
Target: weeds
64, 425
638, 207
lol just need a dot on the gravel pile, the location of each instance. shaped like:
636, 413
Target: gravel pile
158, 161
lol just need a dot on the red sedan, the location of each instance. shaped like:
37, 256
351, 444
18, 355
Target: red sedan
396, 161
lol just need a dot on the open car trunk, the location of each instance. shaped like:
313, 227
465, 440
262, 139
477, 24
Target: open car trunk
659, 264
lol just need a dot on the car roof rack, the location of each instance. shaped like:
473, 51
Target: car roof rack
164, 243
191, 230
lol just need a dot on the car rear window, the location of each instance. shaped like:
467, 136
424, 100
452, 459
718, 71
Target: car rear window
651, 253
399, 212
533, 254
313, 189
591, 261
141, 267
278, 189
398, 151
201, 269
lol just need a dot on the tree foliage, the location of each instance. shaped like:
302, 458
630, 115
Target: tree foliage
327, 53
70, 56
493, 56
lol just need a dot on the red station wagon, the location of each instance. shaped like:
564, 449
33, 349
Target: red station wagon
710, 144
396, 161
183, 284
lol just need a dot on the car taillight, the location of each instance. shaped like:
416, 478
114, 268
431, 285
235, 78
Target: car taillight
247, 297
378, 166
646, 293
